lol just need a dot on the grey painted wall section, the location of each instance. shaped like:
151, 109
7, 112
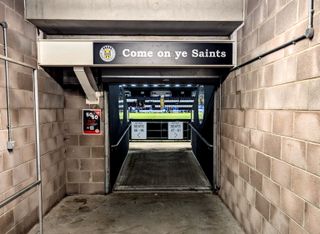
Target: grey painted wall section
165, 17
149, 10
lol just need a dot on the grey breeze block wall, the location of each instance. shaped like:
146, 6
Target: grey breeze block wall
271, 123
85, 160
18, 169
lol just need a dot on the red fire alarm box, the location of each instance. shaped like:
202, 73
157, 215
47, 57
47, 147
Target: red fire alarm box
91, 121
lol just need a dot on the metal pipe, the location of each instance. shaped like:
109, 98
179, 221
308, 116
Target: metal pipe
201, 137
309, 33
310, 13
10, 143
122, 136
38, 155
292, 42
18, 194
10, 60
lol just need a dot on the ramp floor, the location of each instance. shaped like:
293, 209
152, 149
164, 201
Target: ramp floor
161, 166
186, 213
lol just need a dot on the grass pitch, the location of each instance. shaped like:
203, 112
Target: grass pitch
159, 116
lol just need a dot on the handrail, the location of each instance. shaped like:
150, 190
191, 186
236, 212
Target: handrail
123, 135
201, 137
20, 193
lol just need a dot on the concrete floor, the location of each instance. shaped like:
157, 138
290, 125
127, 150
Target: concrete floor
140, 214
152, 165
161, 166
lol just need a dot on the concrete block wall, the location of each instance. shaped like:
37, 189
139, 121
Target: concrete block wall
85, 157
18, 169
270, 132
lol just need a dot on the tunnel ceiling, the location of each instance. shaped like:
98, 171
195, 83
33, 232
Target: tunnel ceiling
127, 17
65, 75
162, 75
168, 28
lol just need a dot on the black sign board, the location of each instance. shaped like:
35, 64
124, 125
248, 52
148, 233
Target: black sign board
164, 53
91, 121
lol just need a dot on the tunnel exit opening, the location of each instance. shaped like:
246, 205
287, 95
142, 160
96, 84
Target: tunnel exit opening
161, 137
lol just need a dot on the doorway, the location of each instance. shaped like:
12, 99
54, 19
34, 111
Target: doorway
156, 134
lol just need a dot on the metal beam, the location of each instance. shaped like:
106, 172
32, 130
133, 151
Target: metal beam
65, 53
87, 82
80, 52
91, 79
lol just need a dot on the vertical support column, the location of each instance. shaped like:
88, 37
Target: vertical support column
106, 143
219, 136
38, 155
217, 139
215, 154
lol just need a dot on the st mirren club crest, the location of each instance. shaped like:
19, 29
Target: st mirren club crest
107, 53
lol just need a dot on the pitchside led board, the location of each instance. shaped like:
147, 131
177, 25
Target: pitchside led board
164, 53
91, 121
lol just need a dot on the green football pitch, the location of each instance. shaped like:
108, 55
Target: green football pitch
159, 116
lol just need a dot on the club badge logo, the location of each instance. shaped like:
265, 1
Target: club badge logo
107, 53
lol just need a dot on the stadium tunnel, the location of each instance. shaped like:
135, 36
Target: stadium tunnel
202, 132
235, 81
99, 67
